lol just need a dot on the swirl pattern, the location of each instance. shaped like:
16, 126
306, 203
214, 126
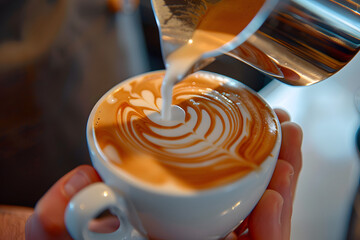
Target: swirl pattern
223, 133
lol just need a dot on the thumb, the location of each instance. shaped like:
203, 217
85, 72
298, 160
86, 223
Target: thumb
47, 222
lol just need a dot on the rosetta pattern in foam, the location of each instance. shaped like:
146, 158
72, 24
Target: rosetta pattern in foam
224, 132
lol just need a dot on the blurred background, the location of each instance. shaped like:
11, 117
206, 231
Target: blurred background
58, 57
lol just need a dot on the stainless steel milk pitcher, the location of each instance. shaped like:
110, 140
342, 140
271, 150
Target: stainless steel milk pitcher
299, 42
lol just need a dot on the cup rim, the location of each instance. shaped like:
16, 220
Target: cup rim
268, 164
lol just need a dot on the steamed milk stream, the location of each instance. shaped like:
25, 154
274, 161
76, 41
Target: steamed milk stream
204, 132
221, 23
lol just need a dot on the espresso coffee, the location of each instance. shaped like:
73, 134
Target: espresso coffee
220, 131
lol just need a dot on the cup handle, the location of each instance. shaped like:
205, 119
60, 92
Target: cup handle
88, 204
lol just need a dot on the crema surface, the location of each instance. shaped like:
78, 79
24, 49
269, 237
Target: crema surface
219, 132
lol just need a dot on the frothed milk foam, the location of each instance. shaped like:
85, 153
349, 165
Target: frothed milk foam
211, 131
226, 131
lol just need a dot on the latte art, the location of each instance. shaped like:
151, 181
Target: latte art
219, 131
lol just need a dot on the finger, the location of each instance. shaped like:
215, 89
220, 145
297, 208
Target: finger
48, 220
231, 236
281, 182
287, 170
290, 150
106, 224
243, 227
282, 115
265, 219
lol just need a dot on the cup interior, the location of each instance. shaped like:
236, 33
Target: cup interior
107, 168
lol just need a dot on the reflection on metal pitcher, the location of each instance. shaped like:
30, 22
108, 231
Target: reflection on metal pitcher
299, 42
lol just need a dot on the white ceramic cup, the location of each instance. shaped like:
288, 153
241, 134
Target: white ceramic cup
146, 211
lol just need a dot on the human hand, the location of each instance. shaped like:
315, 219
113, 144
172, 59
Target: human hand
271, 218
47, 222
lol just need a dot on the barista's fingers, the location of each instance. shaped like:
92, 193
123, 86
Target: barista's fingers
291, 149
282, 182
48, 220
286, 173
231, 236
265, 219
282, 115
106, 224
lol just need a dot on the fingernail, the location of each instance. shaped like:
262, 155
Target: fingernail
76, 182
291, 176
279, 207
291, 182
